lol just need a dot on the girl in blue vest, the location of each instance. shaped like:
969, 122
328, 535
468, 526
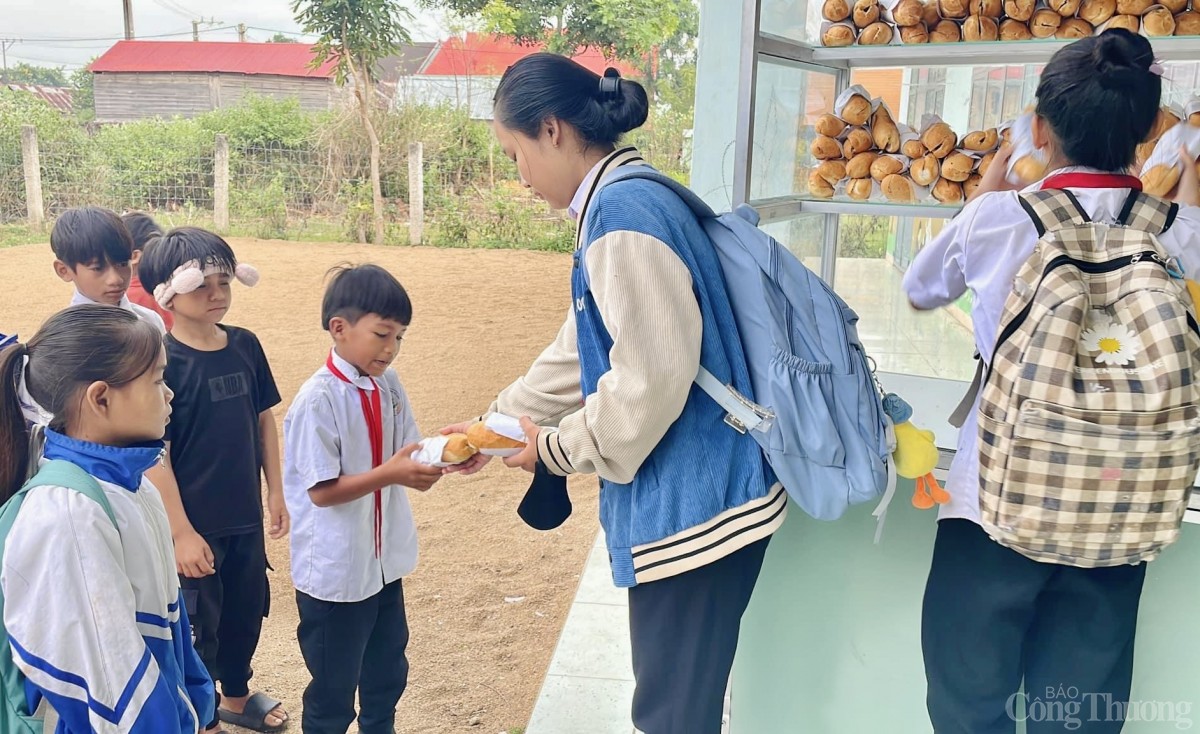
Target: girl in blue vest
92, 609
688, 505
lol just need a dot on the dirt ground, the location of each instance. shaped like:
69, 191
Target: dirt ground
490, 595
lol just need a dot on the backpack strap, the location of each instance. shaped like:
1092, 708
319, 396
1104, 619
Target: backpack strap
59, 473
1148, 213
1051, 209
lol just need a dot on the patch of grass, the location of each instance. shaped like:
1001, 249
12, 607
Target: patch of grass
12, 235
517, 730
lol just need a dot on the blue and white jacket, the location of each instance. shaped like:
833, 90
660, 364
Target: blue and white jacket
93, 615
679, 488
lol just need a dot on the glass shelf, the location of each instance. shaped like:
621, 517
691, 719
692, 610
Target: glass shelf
782, 208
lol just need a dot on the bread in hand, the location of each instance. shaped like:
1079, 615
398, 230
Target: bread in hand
458, 449
1161, 179
485, 439
899, 188
1029, 169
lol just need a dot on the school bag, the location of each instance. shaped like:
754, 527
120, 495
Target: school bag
1089, 424
816, 410
15, 716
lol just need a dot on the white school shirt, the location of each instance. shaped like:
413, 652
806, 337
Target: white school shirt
982, 250
141, 312
325, 437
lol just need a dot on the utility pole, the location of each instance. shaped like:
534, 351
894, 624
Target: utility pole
5, 44
195, 30
128, 7
241, 32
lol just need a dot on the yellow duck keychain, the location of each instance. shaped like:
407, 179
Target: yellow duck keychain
916, 454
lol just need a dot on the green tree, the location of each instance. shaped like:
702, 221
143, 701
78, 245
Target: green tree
357, 35
83, 94
281, 38
49, 76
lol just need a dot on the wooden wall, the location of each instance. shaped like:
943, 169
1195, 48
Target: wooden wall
122, 97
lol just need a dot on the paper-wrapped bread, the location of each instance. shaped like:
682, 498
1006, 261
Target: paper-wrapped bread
876, 34
1074, 28
825, 148
860, 188
858, 141
833, 172
1065, 8
839, 34
1134, 7
971, 184
981, 141
865, 12
932, 14
908, 13
884, 132
980, 28
485, 439
899, 189
818, 186
829, 126
1158, 22
946, 31
835, 11
925, 171
1161, 180
860, 165
1029, 169
993, 9
939, 139
1131, 23
914, 34
914, 148
947, 192
1162, 171
457, 449
957, 167
1097, 11
1175, 6
1045, 23
886, 165
1187, 24
985, 163
1014, 30
857, 110
1021, 10
953, 9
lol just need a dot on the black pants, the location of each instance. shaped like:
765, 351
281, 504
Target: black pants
684, 632
354, 646
993, 618
227, 609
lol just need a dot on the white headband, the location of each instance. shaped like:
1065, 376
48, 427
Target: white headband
188, 277
34, 413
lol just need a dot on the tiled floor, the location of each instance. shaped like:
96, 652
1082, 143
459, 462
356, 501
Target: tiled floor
589, 686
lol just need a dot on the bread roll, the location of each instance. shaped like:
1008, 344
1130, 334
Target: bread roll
957, 167
835, 11
914, 149
981, 141
830, 126
1065, 8
485, 439
884, 132
914, 34
932, 15
834, 172
860, 189
948, 192
1073, 28
1131, 23
986, 8
985, 163
1160, 180
818, 186
1134, 7
1045, 23
457, 449
825, 148
1194, 119
884, 166
858, 141
899, 189
1097, 11
857, 111
876, 34
940, 140
1187, 24
980, 28
908, 13
1163, 121
925, 171
953, 9
1175, 6
1014, 30
1158, 22
1029, 169
860, 165
865, 12
838, 35
1021, 10
946, 31
971, 184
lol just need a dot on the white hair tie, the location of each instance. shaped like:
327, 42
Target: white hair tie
189, 276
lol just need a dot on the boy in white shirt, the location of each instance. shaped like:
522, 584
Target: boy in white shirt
349, 437
93, 250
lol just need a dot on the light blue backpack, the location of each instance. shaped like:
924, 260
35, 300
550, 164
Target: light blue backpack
817, 410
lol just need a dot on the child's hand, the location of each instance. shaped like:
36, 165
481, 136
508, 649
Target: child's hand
403, 470
528, 457
193, 558
1187, 191
471, 466
277, 515
996, 178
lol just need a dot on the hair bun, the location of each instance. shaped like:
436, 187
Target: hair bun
629, 106
1121, 58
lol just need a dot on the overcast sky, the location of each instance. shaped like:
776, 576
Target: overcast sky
70, 32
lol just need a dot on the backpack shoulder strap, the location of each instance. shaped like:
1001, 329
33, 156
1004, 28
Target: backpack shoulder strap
646, 173
60, 473
1051, 209
1148, 213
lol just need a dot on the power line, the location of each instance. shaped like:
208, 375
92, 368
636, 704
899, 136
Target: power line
61, 39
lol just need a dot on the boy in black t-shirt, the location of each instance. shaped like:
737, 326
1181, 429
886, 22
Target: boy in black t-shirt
222, 439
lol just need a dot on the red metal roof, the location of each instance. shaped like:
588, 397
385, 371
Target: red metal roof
487, 55
230, 57
59, 98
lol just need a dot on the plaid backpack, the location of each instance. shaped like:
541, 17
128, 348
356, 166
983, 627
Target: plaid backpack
1089, 419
